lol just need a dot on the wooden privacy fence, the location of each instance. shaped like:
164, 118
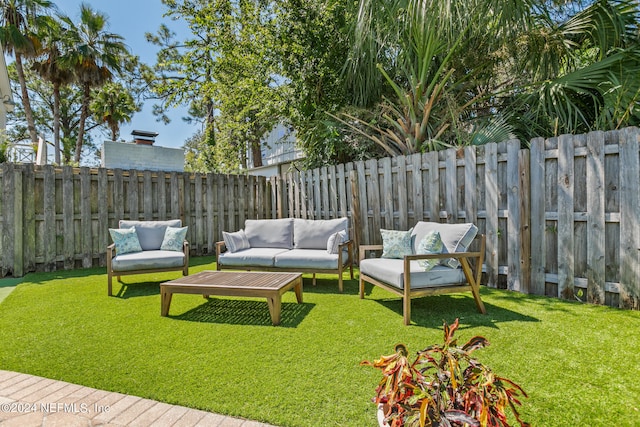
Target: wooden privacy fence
58, 218
561, 217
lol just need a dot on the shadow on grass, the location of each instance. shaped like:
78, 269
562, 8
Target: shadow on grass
245, 312
330, 285
431, 311
135, 289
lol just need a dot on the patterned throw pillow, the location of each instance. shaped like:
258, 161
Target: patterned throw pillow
430, 244
126, 240
396, 244
235, 241
173, 239
334, 241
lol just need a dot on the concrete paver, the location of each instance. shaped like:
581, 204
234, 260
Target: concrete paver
28, 400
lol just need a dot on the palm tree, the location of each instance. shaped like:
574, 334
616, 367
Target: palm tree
95, 55
585, 70
113, 105
51, 68
19, 21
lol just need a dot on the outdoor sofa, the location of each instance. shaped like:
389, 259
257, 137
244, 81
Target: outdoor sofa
145, 247
410, 268
289, 244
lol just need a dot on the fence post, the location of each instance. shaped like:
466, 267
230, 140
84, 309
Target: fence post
491, 205
29, 214
18, 222
514, 274
595, 218
525, 220
67, 218
356, 222
565, 237
536, 216
629, 214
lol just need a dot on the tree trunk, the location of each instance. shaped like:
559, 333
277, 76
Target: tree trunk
26, 103
56, 122
256, 154
84, 113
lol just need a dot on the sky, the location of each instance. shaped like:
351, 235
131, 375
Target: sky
131, 19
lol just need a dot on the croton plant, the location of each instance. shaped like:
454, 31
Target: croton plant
444, 386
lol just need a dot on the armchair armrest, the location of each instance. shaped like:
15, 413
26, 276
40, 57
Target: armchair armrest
220, 248
365, 248
110, 250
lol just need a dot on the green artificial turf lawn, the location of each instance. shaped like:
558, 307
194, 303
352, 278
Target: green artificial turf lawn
579, 363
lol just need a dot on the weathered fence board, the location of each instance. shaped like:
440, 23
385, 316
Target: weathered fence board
595, 218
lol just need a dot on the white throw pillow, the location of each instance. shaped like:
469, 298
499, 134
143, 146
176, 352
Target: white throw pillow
334, 241
235, 241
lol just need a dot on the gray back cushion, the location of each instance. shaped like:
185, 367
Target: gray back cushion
456, 237
314, 234
150, 233
269, 233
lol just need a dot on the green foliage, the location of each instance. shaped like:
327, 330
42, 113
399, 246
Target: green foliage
4, 146
444, 386
94, 54
113, 104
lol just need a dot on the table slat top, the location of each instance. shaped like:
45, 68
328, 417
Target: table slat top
237, 279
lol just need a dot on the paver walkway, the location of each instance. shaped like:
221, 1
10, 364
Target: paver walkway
27, 400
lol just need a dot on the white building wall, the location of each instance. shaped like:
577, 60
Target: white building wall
126, 155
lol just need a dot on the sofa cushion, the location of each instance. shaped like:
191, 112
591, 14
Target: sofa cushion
396, 244
391, 271
150, 233
269, 233
126, 240
308, 258
174, 238
455, 237
235, 241
314, 234
252, 257
147, 260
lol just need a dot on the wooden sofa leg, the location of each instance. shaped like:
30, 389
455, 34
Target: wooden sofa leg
109, 284
314, 279
340, 288
475, 290
406, 310
361, 287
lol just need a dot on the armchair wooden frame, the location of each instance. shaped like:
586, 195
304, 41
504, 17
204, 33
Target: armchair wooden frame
473, 276
111, 273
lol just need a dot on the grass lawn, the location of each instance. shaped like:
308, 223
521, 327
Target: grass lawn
579, 363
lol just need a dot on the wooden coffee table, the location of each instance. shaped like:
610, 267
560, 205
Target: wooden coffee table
240, 284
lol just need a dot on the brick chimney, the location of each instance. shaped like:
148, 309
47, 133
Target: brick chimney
143, 137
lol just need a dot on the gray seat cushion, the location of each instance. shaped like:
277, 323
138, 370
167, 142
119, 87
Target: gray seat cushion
269, 233
150, 233
147, 260
252, 257
314, 234
391, 271
308, 258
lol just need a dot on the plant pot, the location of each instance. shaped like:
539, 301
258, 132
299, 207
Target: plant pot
380, 415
